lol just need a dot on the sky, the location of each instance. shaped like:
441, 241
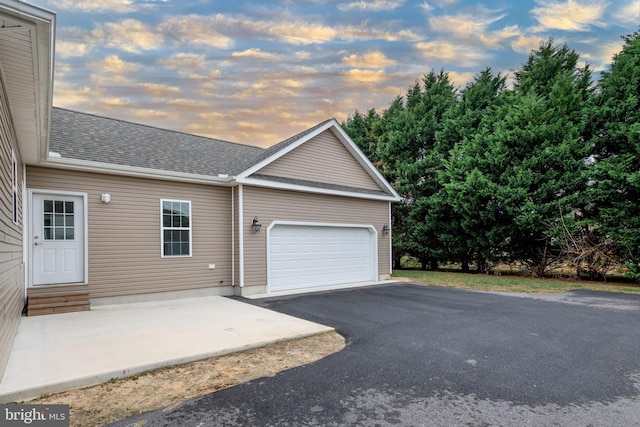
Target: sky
257, 72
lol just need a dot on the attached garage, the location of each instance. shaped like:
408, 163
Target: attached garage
309, 255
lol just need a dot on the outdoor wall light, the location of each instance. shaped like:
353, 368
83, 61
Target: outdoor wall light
255, 225
385, 229
106, 197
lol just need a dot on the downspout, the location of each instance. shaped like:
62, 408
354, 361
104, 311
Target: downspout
241, 234
233, 239
25, 231
390, 243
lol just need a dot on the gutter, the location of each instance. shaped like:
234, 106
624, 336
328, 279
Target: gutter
54, 161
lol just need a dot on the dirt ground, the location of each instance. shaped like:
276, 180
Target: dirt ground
166, 387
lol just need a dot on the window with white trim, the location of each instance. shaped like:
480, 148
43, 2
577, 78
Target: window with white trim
14, 186
176, 228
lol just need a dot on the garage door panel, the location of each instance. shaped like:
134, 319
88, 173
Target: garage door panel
307, 256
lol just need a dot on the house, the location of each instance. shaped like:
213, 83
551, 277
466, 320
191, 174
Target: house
97, 210
26, 70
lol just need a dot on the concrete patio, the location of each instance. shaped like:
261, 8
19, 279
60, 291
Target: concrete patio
63, 351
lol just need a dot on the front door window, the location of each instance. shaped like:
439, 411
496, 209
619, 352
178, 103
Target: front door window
58, 220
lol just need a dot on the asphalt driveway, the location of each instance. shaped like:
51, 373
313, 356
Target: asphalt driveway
421, 355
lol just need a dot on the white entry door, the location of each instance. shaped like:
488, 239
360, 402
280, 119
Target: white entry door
302, 256
57, 239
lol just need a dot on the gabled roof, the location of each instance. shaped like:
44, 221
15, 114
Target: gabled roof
284, 144
88, 142
252, 175
88, 137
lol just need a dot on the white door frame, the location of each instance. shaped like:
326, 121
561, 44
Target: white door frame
371, 228
29, 232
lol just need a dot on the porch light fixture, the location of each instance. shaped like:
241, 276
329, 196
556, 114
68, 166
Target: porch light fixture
105, 197
385, 229
255, 225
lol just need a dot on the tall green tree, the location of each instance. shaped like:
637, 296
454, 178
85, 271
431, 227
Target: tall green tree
406, 146
543, 130
525, 164
361, 129
615, 121
460, 201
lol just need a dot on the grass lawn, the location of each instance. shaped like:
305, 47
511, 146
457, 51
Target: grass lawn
508, 283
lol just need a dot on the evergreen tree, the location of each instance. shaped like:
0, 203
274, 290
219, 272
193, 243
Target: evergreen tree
615, 121
407, 139
524, 166
461, 202
542, 132
360, 127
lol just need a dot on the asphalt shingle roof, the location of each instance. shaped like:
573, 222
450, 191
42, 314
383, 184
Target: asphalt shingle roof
89, 137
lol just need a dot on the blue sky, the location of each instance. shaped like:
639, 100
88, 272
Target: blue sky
257, 72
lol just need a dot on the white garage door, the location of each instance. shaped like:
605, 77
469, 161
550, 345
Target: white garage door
302, 256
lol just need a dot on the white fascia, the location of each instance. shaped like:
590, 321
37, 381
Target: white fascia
306, 189
113, 169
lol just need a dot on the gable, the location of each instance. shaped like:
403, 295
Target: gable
322, 159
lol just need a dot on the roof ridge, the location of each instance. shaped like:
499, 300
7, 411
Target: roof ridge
304, 132
157, 128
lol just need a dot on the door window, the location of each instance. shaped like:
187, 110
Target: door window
58, 220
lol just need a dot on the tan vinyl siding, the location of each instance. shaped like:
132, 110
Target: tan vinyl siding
270, 205
11, 262
322, 159
18, 67
124, 235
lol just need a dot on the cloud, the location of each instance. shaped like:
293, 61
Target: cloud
299, 31
629, 13
287, 28
363, 32
157, 89
190, 104
66, 49
212, 115
601, 57
474, 27
460, 79
495, 38
67, 95
374, 59
113, 64
146, 114
196, 29
274, 86
462, 26
371, 5
570, 15
116, 6
526, 44
426, 7
254, 53
110, 80
452, 53
129, 35
188, 61
365, 76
